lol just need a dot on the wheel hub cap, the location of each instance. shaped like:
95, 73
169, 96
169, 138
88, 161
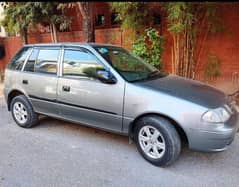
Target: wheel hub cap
151, 142
20, 112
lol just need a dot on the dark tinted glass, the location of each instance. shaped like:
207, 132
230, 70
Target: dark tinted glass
31, 61
100, 20
114, 19
156, 19
130, 66
18, 60
80, 63
47, 61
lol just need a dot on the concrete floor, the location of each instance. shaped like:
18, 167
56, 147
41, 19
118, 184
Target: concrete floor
57, 153
1, 89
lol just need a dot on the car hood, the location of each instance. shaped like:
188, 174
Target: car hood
193, 91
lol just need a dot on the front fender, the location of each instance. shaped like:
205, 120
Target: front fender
140, 101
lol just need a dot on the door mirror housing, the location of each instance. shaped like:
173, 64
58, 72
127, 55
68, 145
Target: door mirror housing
106, 76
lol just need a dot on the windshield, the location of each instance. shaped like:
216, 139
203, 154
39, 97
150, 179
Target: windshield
131, 67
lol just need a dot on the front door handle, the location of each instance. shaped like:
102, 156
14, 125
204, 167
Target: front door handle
25, 82
66, 88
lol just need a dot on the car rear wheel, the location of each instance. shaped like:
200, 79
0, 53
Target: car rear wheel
157, 140
22, 112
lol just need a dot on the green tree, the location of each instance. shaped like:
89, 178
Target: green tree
132, 16
212, 66
189, 25
179, 19
146, 41
49, 13
86, 10
149, 46
20, 16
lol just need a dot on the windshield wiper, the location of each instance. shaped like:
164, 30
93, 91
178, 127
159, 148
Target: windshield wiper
153, 74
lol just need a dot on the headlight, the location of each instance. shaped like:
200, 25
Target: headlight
218, 115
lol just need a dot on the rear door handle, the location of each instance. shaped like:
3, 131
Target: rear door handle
66, 88
25, 82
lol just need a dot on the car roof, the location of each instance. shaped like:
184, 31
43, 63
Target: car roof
92, 44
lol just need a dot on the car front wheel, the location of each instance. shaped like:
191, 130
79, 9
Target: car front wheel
157, 140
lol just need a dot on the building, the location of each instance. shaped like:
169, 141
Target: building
224, 44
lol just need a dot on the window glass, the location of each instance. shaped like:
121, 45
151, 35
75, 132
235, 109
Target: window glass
114, 19
31, 61
156, 19
130, 66
47, 61
100, 20
18, 60
80, 63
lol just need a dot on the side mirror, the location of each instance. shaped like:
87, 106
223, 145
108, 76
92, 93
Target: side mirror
106, 77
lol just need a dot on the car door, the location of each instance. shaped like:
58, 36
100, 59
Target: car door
83, 97
39, 79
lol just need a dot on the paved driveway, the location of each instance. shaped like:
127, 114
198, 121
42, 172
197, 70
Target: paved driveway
57, 153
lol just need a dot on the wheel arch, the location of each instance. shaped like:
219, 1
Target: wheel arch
11, 95
179, 129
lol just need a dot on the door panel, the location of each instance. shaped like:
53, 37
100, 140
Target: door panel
39, 79
92, 102
42, 92
83, 97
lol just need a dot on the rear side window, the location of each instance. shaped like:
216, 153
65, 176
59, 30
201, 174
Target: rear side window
18, 60
43, 61
47, 61
31, 61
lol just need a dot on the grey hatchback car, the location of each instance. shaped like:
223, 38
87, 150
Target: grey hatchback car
107, 87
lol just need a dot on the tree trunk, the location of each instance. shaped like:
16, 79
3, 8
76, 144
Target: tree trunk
87, 15
53, 33
23, 34
177, 54
173, 54
52, 38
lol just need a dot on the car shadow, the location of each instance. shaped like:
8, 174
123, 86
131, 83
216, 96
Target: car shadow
46, 122
192, 159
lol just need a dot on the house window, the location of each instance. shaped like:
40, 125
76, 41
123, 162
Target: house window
156, 19
114, 20
100, 20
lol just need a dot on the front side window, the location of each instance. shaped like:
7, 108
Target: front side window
131, 67
47, 61
18, 60
80, 63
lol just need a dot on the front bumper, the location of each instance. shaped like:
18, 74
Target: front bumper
213, 141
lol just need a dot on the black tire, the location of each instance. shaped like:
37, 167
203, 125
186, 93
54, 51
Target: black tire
168, 132
32, 117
